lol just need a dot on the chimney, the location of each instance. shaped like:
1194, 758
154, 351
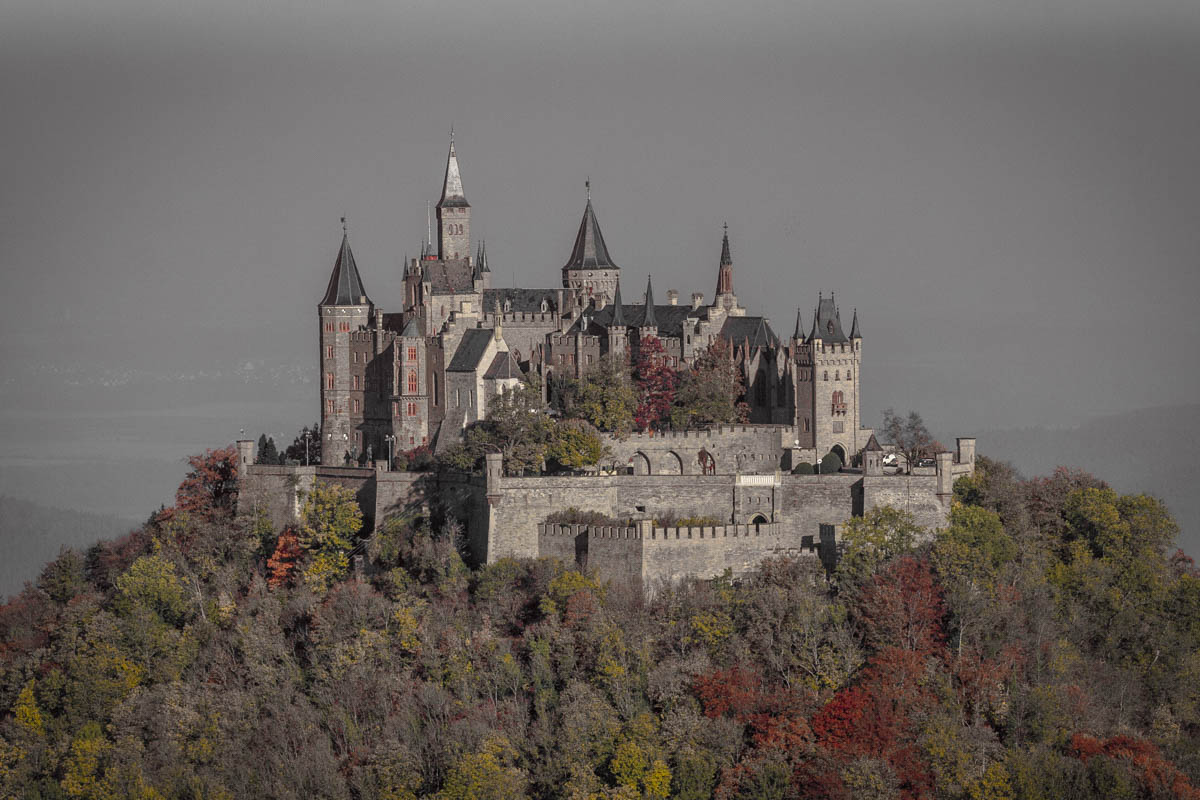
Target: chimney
672, 297
697, 299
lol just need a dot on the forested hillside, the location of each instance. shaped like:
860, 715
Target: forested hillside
1045, 645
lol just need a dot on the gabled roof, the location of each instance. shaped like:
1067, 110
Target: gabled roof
873, 445
590, 251
504, 366
470, 350
827, 325
345, 286
528, 300
453, 276
452, 188
755, 330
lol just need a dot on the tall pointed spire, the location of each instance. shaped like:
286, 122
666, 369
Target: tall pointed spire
649, 321
618, 319
854, 332
452, 188
725, 296
483, 259
345, 285
799, 332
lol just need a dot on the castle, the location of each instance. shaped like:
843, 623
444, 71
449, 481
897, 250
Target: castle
425, 372
419, 376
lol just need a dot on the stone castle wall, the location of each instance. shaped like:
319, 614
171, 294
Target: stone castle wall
744, 448
761, 514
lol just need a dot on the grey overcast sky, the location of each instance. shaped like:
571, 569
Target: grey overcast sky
1009, 192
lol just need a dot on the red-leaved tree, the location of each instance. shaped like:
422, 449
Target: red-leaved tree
210, 488
282, 562
656, 384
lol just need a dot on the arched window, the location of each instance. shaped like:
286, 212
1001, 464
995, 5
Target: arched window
412, 381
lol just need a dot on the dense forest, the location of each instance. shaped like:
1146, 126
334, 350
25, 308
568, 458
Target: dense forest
1046, 644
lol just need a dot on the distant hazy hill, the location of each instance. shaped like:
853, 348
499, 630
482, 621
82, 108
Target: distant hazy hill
1156, 450
31, 535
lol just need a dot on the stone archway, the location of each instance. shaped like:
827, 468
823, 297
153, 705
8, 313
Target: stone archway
641, 463
840, 452
759, 519
672, 464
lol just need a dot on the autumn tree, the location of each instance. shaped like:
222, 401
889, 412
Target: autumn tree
710, 392
574, 444
910, 436
210, 487
330, 521
656, 385
283, 560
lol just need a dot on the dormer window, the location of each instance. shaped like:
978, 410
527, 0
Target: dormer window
545, 306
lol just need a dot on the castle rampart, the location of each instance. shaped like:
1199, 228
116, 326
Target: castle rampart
761, 514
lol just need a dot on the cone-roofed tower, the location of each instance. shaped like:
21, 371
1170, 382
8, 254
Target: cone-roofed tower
345, 284
590, 271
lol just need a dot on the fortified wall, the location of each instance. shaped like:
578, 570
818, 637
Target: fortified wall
762, 512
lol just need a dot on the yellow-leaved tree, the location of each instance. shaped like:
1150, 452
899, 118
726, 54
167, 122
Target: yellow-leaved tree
330, 522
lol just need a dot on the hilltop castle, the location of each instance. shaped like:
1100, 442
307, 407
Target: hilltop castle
419, 376
425, 372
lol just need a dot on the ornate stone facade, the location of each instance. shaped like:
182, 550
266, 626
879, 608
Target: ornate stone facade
416, 377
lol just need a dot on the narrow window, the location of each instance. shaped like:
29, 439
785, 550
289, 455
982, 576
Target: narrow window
328, 380
412, 381
412, 354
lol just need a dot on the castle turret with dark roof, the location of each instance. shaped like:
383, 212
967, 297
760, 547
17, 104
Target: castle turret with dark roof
590, 273
347, 347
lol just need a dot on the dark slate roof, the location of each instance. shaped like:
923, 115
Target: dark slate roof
455, 275
726, 258
854, 332
799, 332
520, 299
413, 328
873, 445
828, 324
590, 251
452, 189
393, 322
755, 330
504, 366
470, 350
670, 319
345, 285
